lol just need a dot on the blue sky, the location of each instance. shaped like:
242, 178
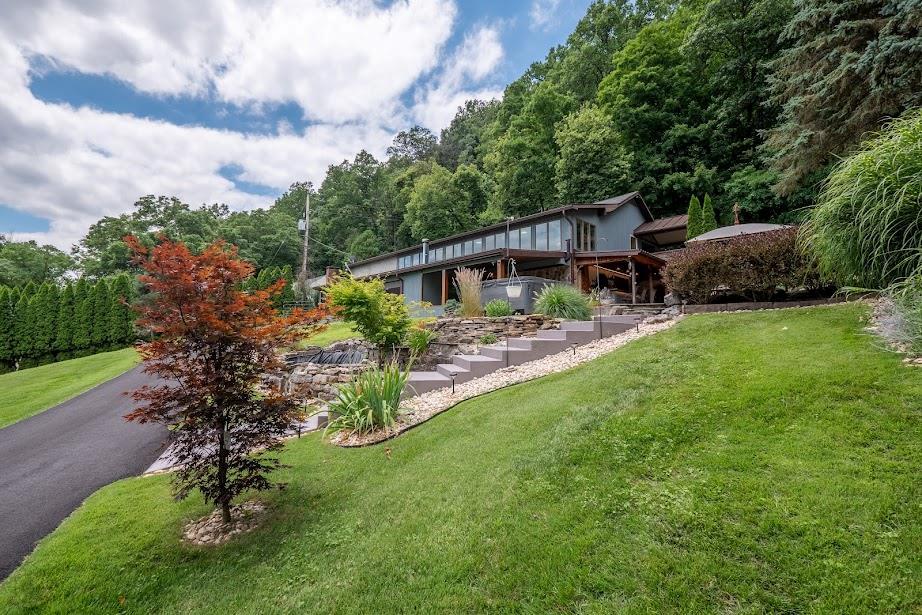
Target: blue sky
231, 101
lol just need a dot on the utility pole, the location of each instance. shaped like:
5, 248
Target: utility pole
302, 277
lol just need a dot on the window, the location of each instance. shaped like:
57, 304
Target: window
501, 240
553, 235
468, 247
478, 245
489, 242
525, 238
541, 236
514, 239
585, 236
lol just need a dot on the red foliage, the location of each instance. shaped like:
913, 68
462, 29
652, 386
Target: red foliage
212, 344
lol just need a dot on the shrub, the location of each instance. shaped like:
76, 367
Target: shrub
371, 401
754, 266
488, 338
452, 307
468, 282
418, 340
498, 307
562, 301
867, 226
381, 317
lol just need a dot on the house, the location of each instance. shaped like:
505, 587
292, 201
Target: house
611, 244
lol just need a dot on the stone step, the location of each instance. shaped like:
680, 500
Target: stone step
549, 346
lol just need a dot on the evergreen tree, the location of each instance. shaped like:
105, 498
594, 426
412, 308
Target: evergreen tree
694, 218
23, 326
708, 216
64, 333
28, 290
45, 315
121, 316
83, 315
848, 67
7, 331
102, 307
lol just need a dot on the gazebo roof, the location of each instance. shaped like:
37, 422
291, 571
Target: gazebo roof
735, 230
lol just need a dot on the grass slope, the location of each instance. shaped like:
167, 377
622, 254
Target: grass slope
33, 390
335, 332
744, 462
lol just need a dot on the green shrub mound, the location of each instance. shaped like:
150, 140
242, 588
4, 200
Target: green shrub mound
497, 308
752, 266
380, 317
867, 225
562, 301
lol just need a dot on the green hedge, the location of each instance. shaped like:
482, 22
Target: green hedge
41, 324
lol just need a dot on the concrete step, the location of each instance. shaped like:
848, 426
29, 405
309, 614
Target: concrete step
499, 351
478, 364
626, 319
461, 374
548, 346
423, 382
577, 325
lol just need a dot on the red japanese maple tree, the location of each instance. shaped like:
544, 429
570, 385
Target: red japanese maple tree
212, 343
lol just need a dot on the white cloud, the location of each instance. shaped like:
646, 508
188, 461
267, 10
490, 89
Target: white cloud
476, 57
337, 60
543, 12
345, 63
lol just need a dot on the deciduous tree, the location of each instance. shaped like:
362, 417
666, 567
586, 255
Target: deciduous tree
213, 342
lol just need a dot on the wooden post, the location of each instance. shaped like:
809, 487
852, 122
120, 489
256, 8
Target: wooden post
650, 296
633, 281
500, 269
444, 286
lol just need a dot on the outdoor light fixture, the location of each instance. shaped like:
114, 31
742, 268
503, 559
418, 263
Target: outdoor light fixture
453, 382
573, 346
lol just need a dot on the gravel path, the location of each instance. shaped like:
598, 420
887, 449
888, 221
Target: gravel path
424, 407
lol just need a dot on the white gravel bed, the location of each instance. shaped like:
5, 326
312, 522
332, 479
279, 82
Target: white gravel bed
427, 405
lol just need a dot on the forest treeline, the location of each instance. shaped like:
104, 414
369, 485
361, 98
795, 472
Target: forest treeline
748, 101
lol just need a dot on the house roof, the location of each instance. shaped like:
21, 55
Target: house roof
660, 225
735, 230
607, 205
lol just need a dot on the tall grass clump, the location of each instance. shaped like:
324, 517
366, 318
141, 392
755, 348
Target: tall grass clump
498, 307
371, 401
562, 301
867, 226
468, 282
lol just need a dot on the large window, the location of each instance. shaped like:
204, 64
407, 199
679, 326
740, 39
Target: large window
489, 242
514, 239
541, 236
525, 242
501, 240
585, 236
553, 235
477, 245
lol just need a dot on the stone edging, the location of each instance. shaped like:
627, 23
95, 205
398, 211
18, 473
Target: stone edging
707, 308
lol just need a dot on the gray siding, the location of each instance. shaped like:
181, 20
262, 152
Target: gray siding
613, 232
413, 285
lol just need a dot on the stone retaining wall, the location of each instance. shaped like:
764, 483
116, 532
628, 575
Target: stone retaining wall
470, 330
318, 381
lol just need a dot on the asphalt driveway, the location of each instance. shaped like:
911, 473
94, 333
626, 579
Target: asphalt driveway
51, 462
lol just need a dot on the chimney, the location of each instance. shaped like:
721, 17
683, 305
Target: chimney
425, 258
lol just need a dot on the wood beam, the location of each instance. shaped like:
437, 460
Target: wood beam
633, 268
444, 286
651, 297
501, 269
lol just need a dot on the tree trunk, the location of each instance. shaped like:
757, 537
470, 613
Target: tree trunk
222, 477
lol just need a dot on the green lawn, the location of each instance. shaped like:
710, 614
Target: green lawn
33, 390
335, 332
760, 462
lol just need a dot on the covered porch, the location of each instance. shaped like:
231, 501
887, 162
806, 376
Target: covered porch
632, 276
